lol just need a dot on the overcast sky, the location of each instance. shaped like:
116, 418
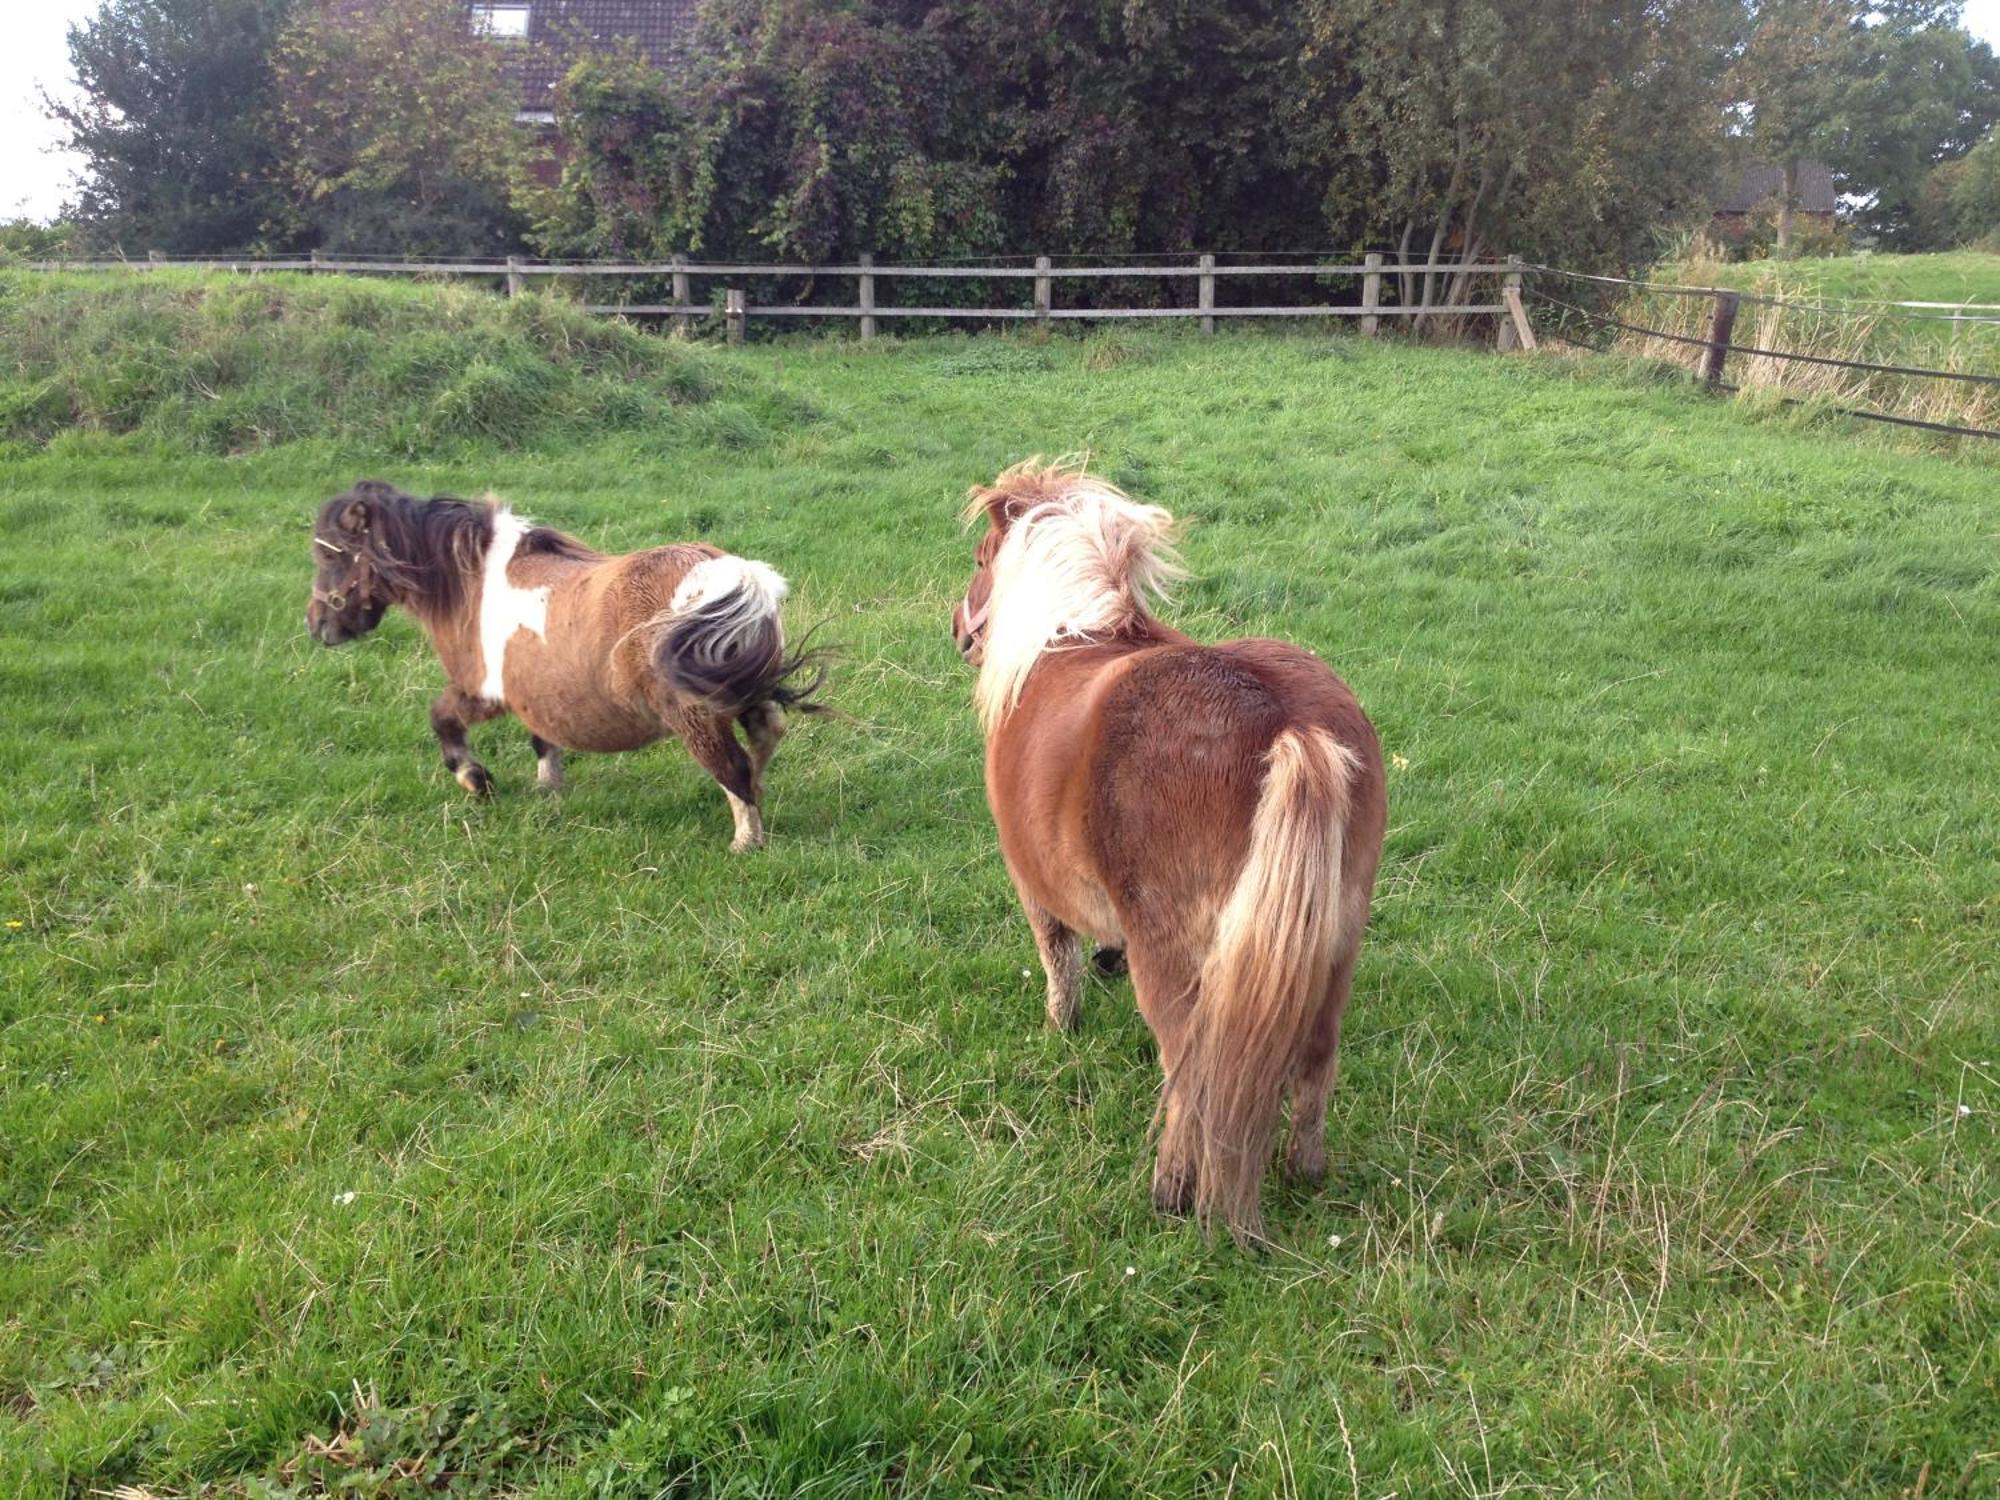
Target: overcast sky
35, 177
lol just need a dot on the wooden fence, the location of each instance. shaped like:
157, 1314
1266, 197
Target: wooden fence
868, 308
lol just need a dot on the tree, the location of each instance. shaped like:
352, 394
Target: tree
912, 129
1793, 84
1881, 90
1572, 133
1926, 92
396, 129
174, 94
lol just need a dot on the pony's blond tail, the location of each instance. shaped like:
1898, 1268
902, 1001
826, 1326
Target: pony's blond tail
1266, 976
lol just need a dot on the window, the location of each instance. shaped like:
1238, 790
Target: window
500, 20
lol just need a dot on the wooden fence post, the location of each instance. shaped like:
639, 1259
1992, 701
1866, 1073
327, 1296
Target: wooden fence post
867, 296
154, 258
734, 313
1515, 329
1207, 294
681, 294
516, 282
1371, 295
312, 268
1042, 301
1719, 334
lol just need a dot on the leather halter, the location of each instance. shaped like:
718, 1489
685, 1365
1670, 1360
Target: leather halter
337, 599
975, 620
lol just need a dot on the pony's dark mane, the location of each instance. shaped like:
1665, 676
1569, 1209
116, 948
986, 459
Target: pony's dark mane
429, 552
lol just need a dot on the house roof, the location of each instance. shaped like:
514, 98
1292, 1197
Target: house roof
1753, 184
558, 29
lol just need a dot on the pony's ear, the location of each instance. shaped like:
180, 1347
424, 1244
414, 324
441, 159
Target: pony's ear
361, 503
1000, 503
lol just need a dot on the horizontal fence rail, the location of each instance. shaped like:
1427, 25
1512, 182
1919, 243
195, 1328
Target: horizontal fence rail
1377, 274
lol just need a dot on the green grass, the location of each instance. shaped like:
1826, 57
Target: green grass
544, 1144
1954, 276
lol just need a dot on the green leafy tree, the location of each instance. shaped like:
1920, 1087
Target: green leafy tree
1793, 83
396, 129
1926, 92
1881, 90
1457, 129
809, 130
1959, 203
170, 119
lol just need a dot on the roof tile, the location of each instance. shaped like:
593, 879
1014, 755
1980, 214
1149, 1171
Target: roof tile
558, 29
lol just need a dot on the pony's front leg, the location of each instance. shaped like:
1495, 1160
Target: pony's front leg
548, 763
1062, 963
452, 712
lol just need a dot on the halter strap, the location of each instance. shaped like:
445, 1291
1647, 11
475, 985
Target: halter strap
975, 620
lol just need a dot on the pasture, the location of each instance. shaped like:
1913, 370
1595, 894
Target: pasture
1949, 276
358, 1138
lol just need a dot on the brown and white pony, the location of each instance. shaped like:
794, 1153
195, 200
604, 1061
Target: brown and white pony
590, 652
1216, 812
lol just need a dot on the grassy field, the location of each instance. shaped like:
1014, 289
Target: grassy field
1955, 276
354, 1136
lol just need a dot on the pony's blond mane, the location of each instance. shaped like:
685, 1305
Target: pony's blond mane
1078, 563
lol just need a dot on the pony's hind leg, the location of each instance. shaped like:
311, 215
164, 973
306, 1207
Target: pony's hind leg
452, 712
1165, 982
763, 726
1062, 965
548, 764
710, 742
1312, 1083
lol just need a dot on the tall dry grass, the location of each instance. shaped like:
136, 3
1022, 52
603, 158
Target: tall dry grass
1797, 323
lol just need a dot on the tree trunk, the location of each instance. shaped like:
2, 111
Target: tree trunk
1788, 195
1445, 212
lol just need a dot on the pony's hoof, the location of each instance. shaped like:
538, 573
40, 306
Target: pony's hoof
1304, 1164
1109, 962
745, 846
475, 779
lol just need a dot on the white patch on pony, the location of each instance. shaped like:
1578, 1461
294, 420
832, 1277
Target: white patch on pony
752, 591
505, 608
1071, 569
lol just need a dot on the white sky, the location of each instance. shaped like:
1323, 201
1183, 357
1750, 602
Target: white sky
35, 177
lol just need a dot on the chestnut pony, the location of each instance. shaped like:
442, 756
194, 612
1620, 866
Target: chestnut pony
1214, 811
590, 652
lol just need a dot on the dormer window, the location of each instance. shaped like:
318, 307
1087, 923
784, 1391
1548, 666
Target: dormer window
504, 21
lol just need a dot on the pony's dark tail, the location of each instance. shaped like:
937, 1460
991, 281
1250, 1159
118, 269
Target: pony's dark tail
724, 644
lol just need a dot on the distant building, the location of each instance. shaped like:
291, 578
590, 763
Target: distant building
1753, 186
548, 34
